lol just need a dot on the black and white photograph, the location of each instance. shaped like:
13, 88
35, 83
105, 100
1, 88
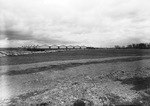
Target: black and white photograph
74, 52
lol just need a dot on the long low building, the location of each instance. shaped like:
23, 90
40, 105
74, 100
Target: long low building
43, 47
62, 47
54, 47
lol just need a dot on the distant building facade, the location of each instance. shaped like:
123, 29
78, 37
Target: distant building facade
77, 47
62, 47
70, 47
43, 47
83, 47
54, 47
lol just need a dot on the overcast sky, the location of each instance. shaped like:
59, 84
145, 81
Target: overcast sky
101, 23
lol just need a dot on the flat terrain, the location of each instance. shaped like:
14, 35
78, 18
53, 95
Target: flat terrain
71, 55
71, 78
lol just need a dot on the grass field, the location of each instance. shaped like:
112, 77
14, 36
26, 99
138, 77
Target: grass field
71, 55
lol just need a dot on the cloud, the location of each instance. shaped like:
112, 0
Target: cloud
17, 35
15, 30
4, 43
88, 22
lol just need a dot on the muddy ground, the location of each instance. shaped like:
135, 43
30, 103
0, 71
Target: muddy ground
117, 81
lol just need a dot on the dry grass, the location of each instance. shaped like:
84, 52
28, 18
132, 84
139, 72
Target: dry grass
71, 55
69, 65
113, 82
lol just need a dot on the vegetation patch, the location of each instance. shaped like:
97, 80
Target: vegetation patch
69, 65
140, 83
83, 102
71, 55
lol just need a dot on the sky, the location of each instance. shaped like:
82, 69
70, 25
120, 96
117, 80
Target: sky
99, 23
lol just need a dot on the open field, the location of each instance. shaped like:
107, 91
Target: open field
77, 78
71, 55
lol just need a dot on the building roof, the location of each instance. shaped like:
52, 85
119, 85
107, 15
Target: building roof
43, 46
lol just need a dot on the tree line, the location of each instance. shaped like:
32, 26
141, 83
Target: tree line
134, 46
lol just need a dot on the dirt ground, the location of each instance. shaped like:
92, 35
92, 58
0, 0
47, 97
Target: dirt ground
117, 81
